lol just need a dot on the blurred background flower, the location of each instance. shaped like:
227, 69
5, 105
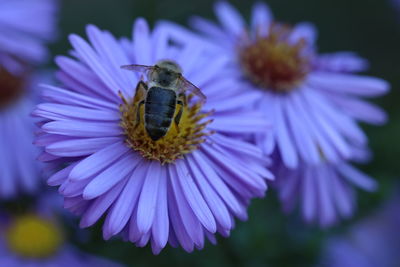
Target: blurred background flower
313, 102
20, 172
35, 237
324, 191
374, 241
24, 28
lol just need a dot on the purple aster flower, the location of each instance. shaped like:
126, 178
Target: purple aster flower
179, 189
36, 238
325, 192
313, 101
19, 170
25, 26
375, 241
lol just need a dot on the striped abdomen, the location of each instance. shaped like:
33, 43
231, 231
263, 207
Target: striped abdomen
159, 110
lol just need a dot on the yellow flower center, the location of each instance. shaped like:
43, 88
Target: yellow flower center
274, 63
33, 237
11, 88
179, 140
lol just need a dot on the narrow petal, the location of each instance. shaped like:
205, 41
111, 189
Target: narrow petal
230, 124
80, 78
97, 162
342, 122
194, 198
320, 139
59, 95
99, 206
160, 37
178, 229
261, 18
82, 129
309, 195
80, 147
304, 142
328, 129
111, 176
341, 62
358, 178
142, 44
362, 110
289, 183
61, 176
189, 219
92, 60
160, 229
218, 184
230, 18
282, 135
215, 203
73, 188
113, 57
207, 27
148, 197
342, 196
123, 208
305, 31
323, 182
59, 111
348, 84
248, 184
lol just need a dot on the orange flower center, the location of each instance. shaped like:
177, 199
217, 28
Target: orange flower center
272, 62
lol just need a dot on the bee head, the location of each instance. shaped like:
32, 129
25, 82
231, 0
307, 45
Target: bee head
169, 65
166, 73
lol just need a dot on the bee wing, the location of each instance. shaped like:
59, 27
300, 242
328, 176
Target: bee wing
192, 88
137, 68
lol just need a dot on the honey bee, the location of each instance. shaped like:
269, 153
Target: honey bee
164, 92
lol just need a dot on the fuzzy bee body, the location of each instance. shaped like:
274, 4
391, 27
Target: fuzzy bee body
159, 110
164, 91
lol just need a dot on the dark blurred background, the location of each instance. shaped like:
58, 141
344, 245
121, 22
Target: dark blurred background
268, 238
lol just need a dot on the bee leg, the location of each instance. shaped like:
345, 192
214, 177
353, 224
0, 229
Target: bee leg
141, 87
142, 84
179, 115
138, 114
183, 97
140, 90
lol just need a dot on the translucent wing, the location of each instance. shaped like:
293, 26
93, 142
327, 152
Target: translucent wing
192, 88
137, 68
